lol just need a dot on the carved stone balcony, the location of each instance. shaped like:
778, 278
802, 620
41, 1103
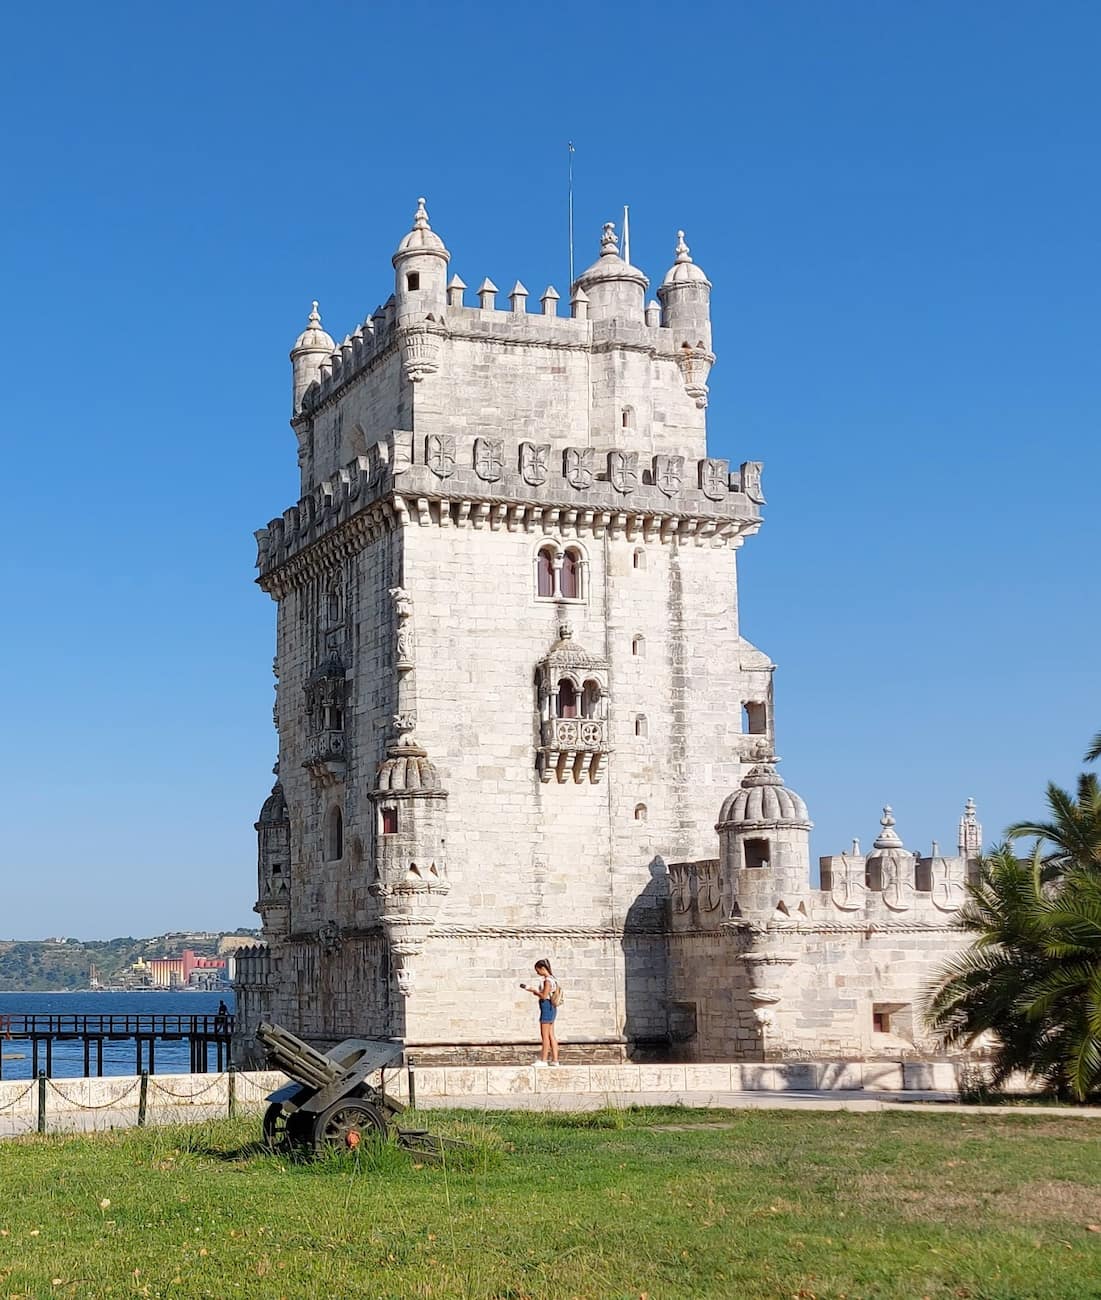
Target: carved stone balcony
572, 747
325, 756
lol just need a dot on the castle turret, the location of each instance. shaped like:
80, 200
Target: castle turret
685, 296
612, 287
312, 347
970, 837
764, 846
420, 266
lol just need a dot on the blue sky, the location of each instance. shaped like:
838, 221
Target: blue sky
897, 205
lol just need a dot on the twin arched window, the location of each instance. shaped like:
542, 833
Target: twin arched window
570, 704
559, 574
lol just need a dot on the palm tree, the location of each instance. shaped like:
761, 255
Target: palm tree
1094, 751
1073, 836
1032, 977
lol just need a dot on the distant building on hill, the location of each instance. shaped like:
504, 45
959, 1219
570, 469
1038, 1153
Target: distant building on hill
515, 707
187, 970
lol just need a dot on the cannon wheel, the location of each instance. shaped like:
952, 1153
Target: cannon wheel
344, 1123
276, 1125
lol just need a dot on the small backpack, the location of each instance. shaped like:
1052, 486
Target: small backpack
558, 995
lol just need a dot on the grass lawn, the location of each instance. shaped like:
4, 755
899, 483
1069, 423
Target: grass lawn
648, 1203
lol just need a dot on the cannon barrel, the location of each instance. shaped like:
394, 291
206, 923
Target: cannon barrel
298, 1059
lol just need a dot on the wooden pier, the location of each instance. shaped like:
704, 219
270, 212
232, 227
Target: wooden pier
207, 1035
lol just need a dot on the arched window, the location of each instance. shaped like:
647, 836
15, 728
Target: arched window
640, 812
638, 646
567, 699
590, 699
640, 724
570, 580
332, 607
627, 417
544, 572
639, 558
334, 834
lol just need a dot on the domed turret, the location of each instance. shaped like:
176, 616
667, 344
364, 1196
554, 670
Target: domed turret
420, 264
311, 348
273, 862
685, 297
764, 845
613, 287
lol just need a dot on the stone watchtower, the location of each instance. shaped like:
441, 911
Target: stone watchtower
511, 683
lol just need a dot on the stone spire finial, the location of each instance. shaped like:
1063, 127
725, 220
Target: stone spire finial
315, 316
888, 836
609, 245
681, 249
550, 301
970, 839
420, 217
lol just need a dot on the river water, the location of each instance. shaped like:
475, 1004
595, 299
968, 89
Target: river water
118, 1057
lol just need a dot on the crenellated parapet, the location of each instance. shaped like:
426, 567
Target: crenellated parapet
519, 485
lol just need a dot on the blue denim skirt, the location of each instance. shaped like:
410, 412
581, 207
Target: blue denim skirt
547, 1011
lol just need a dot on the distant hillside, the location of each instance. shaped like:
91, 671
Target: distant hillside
46, 965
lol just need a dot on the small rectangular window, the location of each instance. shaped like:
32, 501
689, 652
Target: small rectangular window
881, 1021
413, 280
754, 718
756, 854
389, 821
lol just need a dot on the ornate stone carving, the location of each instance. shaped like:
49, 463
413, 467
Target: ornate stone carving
898, 884
420, 351
329, 936
695, 366
623, 470
680, 888
439, 454
489, 458
948, 892
751, 481
669, 474
710, 887
403, 612
848, 890
714, 478
533, 462
579, 466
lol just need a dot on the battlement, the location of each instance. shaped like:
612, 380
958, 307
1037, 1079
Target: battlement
492, 482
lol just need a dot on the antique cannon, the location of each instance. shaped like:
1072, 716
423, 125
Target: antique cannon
331, 1104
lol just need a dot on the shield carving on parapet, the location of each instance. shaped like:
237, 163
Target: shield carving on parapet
489, 458
623, 470
579, 466
669, 474
714, 478
848, 891
533, 462
680, 887
439, 454
751, 481
898, 886
948, 890
710, 893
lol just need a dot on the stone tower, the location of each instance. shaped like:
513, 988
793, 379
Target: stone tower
511, 682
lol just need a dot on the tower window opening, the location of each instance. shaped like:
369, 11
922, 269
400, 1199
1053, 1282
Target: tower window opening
641, 725
873, 874
567, 699
570, 579
544, 572
639, 558
333, 607
754, 718
590, 699
627, 418
413, 280
881, 1021
389, 821
334, 835
756, 854
640, 812
334, 718
638, 646
923, 874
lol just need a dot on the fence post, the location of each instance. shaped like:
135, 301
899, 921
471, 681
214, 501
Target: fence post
41, 1101
143, 1098
411, 1071
231, 1091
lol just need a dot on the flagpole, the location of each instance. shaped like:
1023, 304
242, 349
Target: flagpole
626, 235
570, 148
